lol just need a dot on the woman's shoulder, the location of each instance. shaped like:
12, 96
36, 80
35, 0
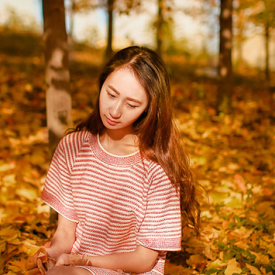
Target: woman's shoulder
76, 139
155, 169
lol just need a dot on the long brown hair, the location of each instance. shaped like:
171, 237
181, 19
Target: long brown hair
159, 139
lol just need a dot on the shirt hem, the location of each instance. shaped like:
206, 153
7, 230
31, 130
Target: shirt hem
59, 212
158, 248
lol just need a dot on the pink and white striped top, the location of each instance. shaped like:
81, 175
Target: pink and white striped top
118, 202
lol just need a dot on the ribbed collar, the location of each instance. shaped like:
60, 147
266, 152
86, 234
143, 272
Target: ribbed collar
111, 159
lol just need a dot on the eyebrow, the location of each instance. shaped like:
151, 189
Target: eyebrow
129, 98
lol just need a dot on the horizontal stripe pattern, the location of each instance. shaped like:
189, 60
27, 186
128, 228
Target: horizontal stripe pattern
118, 202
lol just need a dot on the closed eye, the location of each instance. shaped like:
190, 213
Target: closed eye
131, 106
111, 95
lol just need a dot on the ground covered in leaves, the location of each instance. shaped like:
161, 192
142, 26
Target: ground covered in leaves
232, 157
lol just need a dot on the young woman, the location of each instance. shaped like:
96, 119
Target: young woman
121, 181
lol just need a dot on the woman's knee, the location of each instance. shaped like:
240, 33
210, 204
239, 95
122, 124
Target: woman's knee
56, 270
67, 270
61, 270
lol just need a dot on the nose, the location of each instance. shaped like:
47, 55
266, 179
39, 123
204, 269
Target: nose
116, 110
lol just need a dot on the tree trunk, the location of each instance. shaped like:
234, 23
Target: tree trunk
267, 36
71, 14
109, 48
240, 37
225, 85
159, 28
58, 97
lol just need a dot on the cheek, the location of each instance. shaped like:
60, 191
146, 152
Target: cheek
136, 116
101, 100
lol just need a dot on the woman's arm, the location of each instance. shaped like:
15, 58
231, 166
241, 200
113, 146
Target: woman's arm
141, 260
63, 238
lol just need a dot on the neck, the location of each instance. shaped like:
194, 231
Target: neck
119, 143
118, 135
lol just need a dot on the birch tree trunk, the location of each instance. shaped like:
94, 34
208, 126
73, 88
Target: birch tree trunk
159, 28
267, 39
58, 97
109, 48
225, 85
240, 36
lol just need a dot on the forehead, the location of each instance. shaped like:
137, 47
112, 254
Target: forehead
124, 79
123, 72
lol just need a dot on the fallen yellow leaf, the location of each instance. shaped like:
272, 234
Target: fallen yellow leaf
239, 180
172, 269
9, 179
14, 241
14, 269
20, 264
271, 250
261, 259
27, 193
11, 273
254, 270
9, 232
243, 232
195, 259
217, 263
4, 167
2, 246
232, 267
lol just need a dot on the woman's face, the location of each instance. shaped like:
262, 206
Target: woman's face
122, 100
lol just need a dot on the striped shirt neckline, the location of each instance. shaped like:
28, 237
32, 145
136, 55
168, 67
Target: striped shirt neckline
109, 158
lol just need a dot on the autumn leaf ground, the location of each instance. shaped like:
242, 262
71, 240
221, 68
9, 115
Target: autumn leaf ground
232, 157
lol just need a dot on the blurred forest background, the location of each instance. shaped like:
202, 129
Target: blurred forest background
223, 100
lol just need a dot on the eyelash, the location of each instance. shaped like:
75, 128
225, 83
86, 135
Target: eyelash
110, 95
129, 105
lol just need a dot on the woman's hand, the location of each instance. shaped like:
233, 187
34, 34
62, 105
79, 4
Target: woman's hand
34, 263
63, 259
73, 260
62, 241
39, 254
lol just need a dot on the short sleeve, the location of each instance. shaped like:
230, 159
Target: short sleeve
57, 192
161, 227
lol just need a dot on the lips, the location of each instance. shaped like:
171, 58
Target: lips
111, 122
